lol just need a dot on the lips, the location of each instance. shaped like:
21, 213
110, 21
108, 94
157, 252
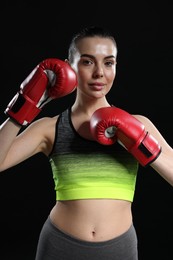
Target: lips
96, 87
100, 84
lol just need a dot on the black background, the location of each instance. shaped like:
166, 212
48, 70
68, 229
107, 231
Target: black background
34, 30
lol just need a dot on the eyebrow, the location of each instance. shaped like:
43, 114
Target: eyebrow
91, 56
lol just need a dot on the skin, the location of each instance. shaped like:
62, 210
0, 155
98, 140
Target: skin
91, 220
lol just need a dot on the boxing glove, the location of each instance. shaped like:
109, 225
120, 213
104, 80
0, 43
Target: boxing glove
51, 79
111, 124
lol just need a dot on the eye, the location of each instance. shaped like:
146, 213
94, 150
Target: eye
86, 62
109, 63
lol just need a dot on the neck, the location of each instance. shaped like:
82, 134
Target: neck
88, 105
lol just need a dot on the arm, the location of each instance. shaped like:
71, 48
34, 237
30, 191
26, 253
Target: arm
37, 137
137, 134
111, 124
8, 132
51, 79
164, 163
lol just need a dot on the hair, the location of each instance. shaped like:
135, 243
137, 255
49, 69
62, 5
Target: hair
92, 31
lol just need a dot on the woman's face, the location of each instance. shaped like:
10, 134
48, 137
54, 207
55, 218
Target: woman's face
95, 65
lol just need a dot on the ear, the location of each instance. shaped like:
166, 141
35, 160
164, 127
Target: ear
66, 60
71, 65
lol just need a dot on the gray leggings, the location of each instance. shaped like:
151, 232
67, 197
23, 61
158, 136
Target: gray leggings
53, 244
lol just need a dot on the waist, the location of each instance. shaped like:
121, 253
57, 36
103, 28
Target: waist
92, 220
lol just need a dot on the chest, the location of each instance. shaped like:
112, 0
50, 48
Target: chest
81, 126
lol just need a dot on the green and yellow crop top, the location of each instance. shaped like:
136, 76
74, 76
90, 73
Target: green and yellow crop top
84, 169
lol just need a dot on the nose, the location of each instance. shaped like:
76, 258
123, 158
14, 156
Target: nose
98, 73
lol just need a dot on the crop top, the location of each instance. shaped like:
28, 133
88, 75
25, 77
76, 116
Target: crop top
85, 169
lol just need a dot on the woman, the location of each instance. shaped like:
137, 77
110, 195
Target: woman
94, 183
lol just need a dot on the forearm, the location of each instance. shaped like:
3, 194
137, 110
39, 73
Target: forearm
8, 133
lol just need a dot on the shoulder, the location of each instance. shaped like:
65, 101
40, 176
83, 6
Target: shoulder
43, 129
43, 123
145, 121
151, 128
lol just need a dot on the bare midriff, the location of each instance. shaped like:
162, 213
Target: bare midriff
92, 220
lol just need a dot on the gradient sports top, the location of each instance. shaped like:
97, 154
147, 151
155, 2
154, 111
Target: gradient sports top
84, 169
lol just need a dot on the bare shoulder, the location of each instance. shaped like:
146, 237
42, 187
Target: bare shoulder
149, 125
43, 129
145, 120
152, 129
45, 121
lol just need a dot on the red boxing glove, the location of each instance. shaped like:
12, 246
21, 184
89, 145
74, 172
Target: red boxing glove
51, 79
111, 124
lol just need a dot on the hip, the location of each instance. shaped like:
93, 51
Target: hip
53, 244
